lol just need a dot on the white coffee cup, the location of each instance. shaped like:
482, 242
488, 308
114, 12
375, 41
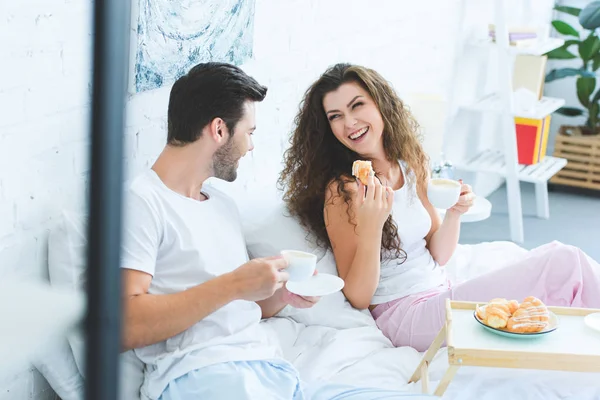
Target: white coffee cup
443, 193
301, 265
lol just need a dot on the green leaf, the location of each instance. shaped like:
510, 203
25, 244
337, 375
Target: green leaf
564, 28
569, 10
570, 42
589, 47
561, 53
585, 88
596, 62
566, 72
570, 111
590, 16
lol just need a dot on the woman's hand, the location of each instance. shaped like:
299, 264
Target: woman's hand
373, 204
298, 301
465, 201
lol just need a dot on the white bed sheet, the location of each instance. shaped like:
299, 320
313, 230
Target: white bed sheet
345, 346
362, 356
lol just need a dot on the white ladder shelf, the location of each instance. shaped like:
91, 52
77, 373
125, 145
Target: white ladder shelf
503, 161
492, 161
493, 103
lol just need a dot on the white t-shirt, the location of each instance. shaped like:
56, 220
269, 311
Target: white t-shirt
182, 243
419, 272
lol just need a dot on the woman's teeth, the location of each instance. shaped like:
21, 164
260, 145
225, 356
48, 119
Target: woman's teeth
358, 134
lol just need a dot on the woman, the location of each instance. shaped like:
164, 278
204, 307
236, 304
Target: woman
389, 242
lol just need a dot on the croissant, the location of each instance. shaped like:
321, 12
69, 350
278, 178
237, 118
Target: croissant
531, 316
512, 305
362, 169
528, 317
496, 315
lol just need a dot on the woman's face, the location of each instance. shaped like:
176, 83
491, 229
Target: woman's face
355, 119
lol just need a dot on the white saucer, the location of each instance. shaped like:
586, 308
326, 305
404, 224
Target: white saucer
593, 321
317, 285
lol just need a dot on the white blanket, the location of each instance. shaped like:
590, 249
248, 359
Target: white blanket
335, 342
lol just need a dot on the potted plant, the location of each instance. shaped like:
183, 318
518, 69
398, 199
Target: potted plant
580, 144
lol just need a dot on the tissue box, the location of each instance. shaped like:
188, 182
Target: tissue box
532, 139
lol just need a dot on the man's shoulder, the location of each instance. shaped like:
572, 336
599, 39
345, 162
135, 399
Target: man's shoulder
142, 183
143, 188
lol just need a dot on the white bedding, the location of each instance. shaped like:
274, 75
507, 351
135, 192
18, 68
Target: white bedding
332, 341
346, 347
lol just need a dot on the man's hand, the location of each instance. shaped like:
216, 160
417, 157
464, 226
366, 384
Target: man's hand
260, 278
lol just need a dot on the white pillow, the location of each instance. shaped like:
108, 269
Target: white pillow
67, 267
268, 226
58, 366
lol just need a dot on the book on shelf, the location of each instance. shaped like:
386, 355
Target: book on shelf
532, 139
518, 36
529, 73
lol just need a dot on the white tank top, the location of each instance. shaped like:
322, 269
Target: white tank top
420, 272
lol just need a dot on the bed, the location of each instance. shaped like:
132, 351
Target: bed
332, 341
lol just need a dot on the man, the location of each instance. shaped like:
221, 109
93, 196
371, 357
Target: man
193, 301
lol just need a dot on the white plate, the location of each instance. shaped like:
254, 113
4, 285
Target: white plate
317, 285
593, 321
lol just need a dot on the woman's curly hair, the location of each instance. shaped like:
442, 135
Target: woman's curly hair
316, 158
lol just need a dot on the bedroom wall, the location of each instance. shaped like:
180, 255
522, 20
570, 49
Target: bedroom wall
45, 88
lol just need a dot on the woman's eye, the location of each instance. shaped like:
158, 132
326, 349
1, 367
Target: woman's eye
359, 103
334, 116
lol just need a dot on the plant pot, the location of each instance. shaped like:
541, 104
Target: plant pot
583, 158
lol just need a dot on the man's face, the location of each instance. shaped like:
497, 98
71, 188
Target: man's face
227, 157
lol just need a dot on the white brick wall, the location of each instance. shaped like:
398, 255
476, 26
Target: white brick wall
44, 102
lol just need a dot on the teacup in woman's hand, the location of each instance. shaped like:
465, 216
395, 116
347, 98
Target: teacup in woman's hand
443, 193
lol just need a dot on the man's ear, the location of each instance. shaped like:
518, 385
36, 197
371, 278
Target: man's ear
217, 130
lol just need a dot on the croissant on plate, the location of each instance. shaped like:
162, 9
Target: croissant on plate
528, 317
495, 314
531, 316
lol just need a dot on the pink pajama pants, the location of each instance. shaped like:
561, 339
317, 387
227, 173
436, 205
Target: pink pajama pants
557, 274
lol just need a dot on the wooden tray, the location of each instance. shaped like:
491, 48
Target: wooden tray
572, 347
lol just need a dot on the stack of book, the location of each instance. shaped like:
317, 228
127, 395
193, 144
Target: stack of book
532, 134
517, 35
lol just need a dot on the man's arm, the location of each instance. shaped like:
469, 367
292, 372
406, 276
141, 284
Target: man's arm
150, 318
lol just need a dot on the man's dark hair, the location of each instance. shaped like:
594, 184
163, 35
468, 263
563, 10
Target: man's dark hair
208, 91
